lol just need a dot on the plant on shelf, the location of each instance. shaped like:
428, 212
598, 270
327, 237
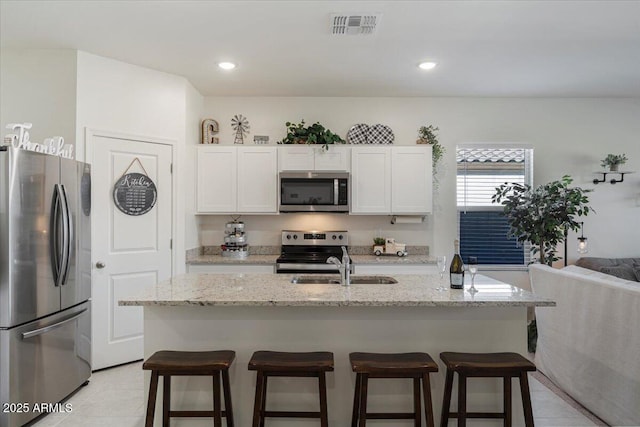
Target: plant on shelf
612, 161
314, 134
428, 135
541, 215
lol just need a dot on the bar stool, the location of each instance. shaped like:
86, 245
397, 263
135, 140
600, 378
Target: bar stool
468, 365
285, 364
402, 365
196, 363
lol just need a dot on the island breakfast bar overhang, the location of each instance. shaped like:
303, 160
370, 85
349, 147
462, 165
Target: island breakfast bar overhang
250, 312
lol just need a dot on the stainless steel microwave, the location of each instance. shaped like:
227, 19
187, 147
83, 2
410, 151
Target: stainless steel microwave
314, 191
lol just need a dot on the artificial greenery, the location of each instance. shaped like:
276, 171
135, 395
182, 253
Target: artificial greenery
541, 215
613, 160
428, 135
314, 134
378, 240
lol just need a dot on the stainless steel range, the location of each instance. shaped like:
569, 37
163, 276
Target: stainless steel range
308, 251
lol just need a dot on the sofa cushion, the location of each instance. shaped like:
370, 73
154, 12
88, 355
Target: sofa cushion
619, 267
621, 271
596, 275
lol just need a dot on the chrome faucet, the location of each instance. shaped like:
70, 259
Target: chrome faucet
344, 267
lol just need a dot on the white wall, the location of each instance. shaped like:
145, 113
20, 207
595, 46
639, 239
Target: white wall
119, 97
570, 136
38, 86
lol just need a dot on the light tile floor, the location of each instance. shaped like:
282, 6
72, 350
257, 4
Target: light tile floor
115, 398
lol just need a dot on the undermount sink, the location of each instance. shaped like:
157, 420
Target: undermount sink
355, 280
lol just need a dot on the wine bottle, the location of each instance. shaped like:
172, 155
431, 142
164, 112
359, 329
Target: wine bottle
456, 270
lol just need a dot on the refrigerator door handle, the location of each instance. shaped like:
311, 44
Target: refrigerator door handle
53, 235
31, 334
66, 235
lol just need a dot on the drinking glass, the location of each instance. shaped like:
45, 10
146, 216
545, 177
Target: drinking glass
473, 269
442, 266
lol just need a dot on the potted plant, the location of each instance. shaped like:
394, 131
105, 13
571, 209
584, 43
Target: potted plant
541, 215
427, 135
314, 134
612, 161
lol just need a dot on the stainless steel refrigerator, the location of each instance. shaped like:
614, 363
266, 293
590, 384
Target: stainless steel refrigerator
45, 282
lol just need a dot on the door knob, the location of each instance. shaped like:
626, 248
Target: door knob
100, 264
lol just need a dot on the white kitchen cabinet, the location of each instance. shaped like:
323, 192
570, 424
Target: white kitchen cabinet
313, 157
236, 180
391, 180
370, 180
257, 180
336, 158
411, 180
217, 179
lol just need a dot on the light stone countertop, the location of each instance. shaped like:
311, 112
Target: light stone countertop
200, 289
271, 260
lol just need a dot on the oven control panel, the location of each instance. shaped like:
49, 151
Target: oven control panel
315, 238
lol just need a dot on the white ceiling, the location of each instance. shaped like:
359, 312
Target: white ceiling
283, 48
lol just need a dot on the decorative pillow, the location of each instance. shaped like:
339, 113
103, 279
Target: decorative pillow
621, 271
637, 271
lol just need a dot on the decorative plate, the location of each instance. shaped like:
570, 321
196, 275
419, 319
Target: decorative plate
358, 134
380, 134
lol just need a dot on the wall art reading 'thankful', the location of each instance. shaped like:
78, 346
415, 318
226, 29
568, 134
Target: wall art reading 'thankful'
135, 193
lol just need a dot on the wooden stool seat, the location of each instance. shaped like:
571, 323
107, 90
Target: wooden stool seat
319, 361
288, 364
197, 363
189, 361
486, 363
396, 364
469, 365
416, 366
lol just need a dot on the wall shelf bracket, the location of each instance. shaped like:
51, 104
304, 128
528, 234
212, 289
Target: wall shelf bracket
612, 180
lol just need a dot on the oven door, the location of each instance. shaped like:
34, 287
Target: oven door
314, 192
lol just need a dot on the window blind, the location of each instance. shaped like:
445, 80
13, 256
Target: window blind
483, 228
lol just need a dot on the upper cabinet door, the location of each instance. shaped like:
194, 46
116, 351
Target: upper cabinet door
411, 180
371, 180
295, 157
257, 180
217, 181
336, 158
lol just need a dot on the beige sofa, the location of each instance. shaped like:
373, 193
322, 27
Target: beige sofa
589, 344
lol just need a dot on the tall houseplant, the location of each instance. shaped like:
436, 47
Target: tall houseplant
541, 215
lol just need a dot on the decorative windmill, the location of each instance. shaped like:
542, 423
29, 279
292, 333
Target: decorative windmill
240, 124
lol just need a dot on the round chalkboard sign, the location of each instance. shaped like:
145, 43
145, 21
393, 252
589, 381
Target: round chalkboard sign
135, 194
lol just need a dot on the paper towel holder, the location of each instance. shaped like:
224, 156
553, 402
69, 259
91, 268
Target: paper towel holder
407, 219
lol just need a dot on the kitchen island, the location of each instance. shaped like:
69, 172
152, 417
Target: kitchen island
249, 312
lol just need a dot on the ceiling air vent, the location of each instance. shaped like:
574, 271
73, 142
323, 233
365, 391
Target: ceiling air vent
355, 24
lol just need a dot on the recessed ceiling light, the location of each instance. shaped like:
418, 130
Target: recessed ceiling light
226, 65
427, 65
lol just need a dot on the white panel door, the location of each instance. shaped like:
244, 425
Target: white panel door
129, 252
336, 158
411, 179
217, 181
295, 157
370, 180
257, 180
